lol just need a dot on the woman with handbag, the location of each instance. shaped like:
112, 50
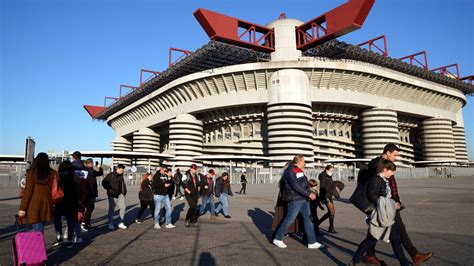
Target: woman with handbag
146, 197
68, 206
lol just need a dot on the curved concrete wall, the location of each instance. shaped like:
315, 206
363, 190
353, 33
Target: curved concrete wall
437, 137
460, 146
121, 144
146, 140
379, 127
185, 139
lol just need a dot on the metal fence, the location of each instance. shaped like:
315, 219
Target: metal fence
11, 174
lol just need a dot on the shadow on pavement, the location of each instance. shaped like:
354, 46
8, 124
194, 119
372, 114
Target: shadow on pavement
206, 259
263, 221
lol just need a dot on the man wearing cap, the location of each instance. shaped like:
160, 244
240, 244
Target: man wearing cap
191, 188
207, 192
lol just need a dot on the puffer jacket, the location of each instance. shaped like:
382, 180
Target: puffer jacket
295, 184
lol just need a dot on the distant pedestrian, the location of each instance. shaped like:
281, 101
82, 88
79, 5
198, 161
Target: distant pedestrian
92, 192
160, 196
191, 189
37, 202
178, 181
326, 190
116, 188
68, 206
243, 182
223, 191
146, 197
207, 192
296, 191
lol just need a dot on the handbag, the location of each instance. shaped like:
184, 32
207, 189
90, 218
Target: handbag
360, 200
56, 191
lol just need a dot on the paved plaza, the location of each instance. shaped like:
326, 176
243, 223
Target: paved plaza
439, 218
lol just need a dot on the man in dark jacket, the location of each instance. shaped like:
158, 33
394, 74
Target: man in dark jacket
116, 191
160, 187
298, 192
391, 152
177, 181
191, 187
92, 192
207, 192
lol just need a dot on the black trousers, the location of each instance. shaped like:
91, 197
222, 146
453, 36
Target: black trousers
191, 215
143, 206
90, 205
244, 187
404, 238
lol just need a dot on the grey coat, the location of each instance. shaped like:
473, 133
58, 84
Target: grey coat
382, 219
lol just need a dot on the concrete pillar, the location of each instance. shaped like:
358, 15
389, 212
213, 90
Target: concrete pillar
146, 140
437, 139
121, 144
186, 140
379, 127
460, 146
285, 40
290, 123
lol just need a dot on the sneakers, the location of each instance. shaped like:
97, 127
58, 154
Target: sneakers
227, 216
279, 243
84, 228
170, 226
111, 226
182, 198
58, 242
65, 234
173, 198
316, 245
122, 226
187, 224
138, 221
157, 226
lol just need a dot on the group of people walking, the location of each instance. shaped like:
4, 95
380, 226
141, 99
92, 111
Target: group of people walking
298, 195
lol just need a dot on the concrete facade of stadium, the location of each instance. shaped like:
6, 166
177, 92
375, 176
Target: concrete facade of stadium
294, 104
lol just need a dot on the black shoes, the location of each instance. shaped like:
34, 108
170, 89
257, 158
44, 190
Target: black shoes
227, 216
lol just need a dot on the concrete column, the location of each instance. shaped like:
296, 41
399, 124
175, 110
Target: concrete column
185, 140
437, 139
289, 117
379, 127
285, 40
121, 144
146, 140
460, 146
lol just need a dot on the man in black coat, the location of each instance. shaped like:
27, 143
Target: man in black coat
391, 152
92, 192
191, 186
116, 191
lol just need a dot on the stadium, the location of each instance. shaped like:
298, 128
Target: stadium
261, 94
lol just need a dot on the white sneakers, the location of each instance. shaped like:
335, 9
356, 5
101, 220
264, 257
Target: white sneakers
182, 198
111, 226
170, 226
122, 226
316, 245
157, 226
279, 243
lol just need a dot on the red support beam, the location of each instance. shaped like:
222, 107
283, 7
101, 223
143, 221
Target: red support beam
94, 110
374, 47
339, 21
413, 59
468, 79
152, 72
109, 98
223, 28
127, 87
170, 56
446, 70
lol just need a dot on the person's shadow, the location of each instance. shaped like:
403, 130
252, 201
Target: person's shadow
176, 213
206, 259
263, 221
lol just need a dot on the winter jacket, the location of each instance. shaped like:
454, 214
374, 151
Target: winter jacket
158, 184
382, 218
295, 184
146, 192
92, 181
372, 171
187, 183
219, 187
326, 185
376, 188
115, 185
209, 182
37, 201
69, 205
177, 178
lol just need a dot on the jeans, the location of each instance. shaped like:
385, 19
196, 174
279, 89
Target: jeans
165, 200
58, 226
370, 241
38, 227
295, 207
120, 201
224, 204
205, 199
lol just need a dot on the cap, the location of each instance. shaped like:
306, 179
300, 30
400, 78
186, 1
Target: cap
193, 166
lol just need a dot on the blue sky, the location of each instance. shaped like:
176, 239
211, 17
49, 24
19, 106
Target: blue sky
58, 55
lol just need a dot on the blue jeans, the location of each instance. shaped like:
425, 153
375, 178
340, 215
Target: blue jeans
295, 207
206, 199
38, 227
165, 200
224, 204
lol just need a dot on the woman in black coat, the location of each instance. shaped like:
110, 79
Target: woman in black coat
146, 198
326, 186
